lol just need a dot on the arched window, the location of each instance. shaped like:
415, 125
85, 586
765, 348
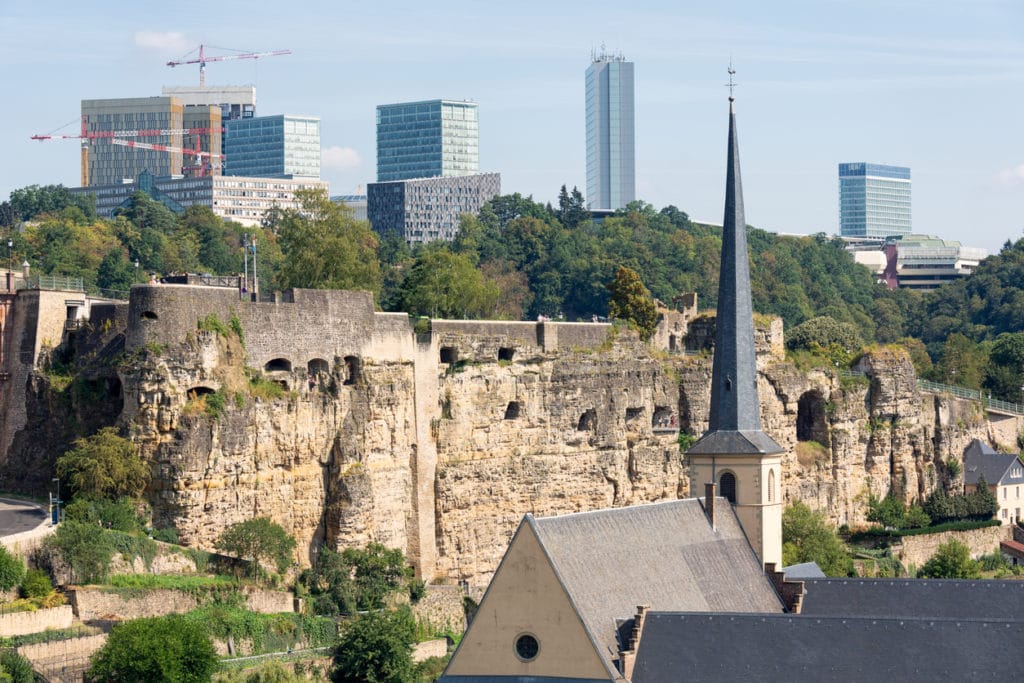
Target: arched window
278, 365
727, 485
771, 486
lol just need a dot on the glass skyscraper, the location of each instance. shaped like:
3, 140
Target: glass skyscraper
611, 164
282, 146
874, 200
427, 139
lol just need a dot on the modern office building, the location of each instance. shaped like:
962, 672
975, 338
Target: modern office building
611, 156
428, 209
233, 101
427, 139
241, 199
205, 118
104, 162
282, 146
917, 261
356, 202
874, 200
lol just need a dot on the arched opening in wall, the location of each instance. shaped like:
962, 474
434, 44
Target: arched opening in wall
113, 387
148, 315
771, 486
672, 343
278, 365
506, 353
449, 354
663, 418
727, 485
811, 418
633, 417
198, 392
588, 421
318, 366
353, 369
512, 410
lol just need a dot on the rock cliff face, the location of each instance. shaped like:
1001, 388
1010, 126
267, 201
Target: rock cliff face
438, 444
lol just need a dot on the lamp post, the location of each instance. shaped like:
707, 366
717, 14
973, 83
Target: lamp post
136, 270
56, 503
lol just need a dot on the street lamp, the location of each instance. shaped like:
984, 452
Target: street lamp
136, 270
56, 502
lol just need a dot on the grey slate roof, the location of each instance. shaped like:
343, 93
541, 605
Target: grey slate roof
784, 648
734, 420
665, 555
804, 570
980, 459
921, 598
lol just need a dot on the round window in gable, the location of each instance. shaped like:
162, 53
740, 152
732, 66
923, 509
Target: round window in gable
527, 647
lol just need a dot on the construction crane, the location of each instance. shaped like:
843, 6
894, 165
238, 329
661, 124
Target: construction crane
203, 59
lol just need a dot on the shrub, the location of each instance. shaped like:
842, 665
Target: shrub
170, 648
168, 535
258, 540
104, 465
951, 561
376, 648
211, 323
36, 584
823, 332
85, 548
12, 569
16, 667
109, 514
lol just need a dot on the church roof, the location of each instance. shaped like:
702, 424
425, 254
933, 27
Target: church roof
784, 648
931, 598
665, 555
734, 419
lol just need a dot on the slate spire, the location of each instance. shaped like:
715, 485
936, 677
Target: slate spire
734, 424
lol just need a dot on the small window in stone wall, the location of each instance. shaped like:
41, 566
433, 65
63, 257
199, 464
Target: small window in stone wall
353, 369
727, 485
588, 421
512, 410
633, 414
278, 365
506, 353
148, 315
449, 354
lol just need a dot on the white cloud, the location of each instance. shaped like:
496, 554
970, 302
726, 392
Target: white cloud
340, 157
1012, 176
167, 41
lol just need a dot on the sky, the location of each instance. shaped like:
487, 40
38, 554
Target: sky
936, 85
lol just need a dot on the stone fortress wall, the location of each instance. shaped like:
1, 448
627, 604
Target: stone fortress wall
438, 443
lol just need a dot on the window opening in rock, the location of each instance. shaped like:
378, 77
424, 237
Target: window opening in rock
512, 410
588, 421
449, 354
506, 353
148, 315
353, 369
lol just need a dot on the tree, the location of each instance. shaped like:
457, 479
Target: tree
12, 569
442, 284
888, 512
16, 667
28, 202
86, 548
104, 465
376, 648
356, 578
115, 272
822, 332
631, 301
951, 561
806, 537
258, 540
324, 247
169, 648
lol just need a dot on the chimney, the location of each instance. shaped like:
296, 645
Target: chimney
709, 502
627, 655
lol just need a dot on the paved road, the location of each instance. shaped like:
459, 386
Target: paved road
16, 516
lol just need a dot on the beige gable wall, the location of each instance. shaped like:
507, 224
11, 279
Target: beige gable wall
525, 596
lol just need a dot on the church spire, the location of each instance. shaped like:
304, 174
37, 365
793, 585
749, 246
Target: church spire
734, 425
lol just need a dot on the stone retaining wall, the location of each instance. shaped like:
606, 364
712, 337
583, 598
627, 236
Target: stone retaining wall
916, 550
430, 648
441, 607
63, 661
20, 623
103, 604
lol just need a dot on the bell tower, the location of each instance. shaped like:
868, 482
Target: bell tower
743, 462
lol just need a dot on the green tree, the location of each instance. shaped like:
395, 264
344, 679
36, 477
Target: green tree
169, 648
443, 284
36, 584
822, 332
376, 648
951, 561
631, 301
12, 569
28, 202
115, 272
356, 578
104, 465
258, 540
888, 512
323, 246
86, 548
16, 667
806, 537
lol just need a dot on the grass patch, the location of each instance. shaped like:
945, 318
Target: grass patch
179, 582
212, 323
50, 636
809, 453
262, 388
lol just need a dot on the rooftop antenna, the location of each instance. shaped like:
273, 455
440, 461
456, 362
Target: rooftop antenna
731, 85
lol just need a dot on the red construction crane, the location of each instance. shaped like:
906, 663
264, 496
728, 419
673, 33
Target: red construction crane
143, 133
207, 160
203, 59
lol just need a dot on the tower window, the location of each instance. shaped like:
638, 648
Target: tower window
727, 485
771, 486
527, 647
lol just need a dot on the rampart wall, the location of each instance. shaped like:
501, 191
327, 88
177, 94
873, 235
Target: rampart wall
21, 623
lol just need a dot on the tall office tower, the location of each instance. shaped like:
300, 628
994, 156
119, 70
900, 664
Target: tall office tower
427, 139
282, 146
611, 162
874, 200
202, 118
106, 163
234, 102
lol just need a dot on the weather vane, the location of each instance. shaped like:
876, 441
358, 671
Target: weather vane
731, 85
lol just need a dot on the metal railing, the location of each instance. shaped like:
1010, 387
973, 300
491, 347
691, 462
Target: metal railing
57, 282
971, 394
